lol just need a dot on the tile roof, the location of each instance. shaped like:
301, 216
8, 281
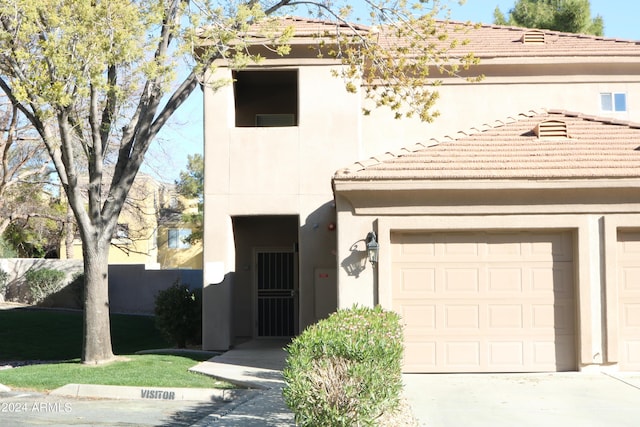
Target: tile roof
596, 148
495, 41
305, 27
486, 41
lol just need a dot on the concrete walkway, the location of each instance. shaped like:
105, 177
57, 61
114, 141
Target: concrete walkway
441, 400
437, 400
525, 400
257, 365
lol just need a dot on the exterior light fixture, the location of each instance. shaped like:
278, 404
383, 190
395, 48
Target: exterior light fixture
372, 247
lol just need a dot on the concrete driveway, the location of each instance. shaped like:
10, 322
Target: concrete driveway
549, 400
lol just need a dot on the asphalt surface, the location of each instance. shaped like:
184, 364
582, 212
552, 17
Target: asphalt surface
26, 408
585, 399
256, 365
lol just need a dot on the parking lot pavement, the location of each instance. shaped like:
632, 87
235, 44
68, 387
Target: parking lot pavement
550, 400
25, 408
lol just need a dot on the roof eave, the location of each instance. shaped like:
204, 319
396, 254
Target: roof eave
554, 60
351, 184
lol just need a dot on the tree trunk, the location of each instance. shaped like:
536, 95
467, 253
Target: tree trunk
97, 329
69, 233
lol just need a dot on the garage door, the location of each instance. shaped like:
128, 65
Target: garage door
485, 302
629, 299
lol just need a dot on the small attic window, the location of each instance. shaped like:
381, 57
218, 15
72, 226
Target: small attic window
552, 129
611, 101
533, 37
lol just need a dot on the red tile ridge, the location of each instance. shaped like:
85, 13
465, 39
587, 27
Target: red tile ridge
309, 27
471, 25
328, 22
544, 30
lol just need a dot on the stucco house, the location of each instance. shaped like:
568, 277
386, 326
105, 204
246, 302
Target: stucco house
285, 234
512, 248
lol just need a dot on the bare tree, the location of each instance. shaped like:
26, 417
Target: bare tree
97, 80
26, 192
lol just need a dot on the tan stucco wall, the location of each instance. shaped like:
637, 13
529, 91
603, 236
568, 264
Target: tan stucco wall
274, 171
464, 105
287, 171
593, 221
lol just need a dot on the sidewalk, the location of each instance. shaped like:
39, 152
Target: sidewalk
257, 365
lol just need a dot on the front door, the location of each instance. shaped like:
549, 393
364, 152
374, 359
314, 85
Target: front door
277, 293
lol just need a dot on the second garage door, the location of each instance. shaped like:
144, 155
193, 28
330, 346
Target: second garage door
629, 299
484, 301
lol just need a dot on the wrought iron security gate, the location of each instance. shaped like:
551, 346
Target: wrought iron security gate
276, 277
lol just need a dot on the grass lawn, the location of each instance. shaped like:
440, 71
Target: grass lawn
27, 334
36, 334
141, 370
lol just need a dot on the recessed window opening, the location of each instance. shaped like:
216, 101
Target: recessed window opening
613, 101
266, 98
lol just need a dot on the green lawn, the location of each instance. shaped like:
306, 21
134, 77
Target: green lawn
141, 370
28, 334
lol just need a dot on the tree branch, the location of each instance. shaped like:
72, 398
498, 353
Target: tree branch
29, 215
276, 6
109, 109
178, 97
35, 121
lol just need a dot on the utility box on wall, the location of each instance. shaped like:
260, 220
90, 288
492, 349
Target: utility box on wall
325, 292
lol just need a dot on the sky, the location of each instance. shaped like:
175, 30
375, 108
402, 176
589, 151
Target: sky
183, 135
620, 16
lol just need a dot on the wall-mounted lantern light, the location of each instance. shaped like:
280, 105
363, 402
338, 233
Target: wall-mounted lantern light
372, 247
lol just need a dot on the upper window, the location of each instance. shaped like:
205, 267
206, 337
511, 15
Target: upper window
612, 101
266, 98
177, 238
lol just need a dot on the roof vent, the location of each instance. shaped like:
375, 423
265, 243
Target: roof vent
552, 129
533, 37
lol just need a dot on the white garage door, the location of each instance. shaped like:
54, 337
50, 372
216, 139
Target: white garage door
485, 302
629, 299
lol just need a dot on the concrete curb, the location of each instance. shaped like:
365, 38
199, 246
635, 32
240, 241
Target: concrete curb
4, 388
147, 393
180, 352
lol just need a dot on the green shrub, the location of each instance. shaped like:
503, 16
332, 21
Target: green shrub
6, 250
43, 282
345, 370
178, 313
